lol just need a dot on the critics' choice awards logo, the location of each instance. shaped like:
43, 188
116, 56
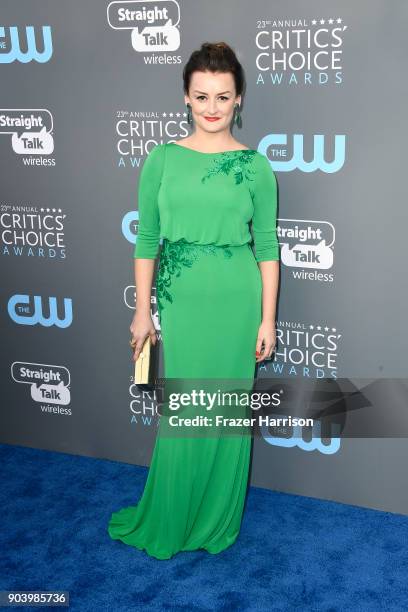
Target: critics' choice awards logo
304, 350
307, 244
143, 407
36, 310
20, 44
286, 154
49, 384
153, 24
299, 51
31, 132
32, 231
138, 132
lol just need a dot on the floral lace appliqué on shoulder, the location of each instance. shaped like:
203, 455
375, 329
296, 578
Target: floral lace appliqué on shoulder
236, 163
175, 256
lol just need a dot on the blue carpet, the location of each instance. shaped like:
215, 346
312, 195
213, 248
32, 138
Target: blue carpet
293, 552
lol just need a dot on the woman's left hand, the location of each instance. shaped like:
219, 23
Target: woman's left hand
267, 337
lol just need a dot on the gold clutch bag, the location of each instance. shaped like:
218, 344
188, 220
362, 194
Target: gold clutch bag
144, 364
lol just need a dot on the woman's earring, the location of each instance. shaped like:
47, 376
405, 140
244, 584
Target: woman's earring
237, 116
189, 114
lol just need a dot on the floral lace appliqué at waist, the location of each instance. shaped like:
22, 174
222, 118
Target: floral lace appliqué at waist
179, 254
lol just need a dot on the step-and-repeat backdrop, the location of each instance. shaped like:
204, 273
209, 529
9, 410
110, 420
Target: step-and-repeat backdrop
87, 89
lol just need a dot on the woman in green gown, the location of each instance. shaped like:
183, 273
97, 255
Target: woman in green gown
216, 303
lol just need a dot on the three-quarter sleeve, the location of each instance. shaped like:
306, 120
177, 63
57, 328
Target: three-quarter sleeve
265, 209
148, 234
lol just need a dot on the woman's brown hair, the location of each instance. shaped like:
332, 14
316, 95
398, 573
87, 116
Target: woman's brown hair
215, 57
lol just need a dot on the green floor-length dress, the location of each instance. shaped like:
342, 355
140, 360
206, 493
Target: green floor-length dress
209, 297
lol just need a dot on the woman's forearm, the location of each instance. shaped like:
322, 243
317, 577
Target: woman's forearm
144, 270
270, 282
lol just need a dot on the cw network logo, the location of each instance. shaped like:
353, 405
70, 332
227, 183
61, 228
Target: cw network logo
276, 147
13, 38
296, 439
130, 221
28, 310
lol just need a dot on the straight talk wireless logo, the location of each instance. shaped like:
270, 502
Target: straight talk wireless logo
31, 134
153, 25
49, 385
308, 246
129, 299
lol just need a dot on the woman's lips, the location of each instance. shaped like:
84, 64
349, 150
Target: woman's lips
212, 118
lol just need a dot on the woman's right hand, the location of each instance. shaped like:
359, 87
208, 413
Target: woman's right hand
142, 326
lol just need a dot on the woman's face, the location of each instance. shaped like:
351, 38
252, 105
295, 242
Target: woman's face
212, 95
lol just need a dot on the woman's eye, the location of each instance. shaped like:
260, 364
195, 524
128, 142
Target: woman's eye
221, 98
